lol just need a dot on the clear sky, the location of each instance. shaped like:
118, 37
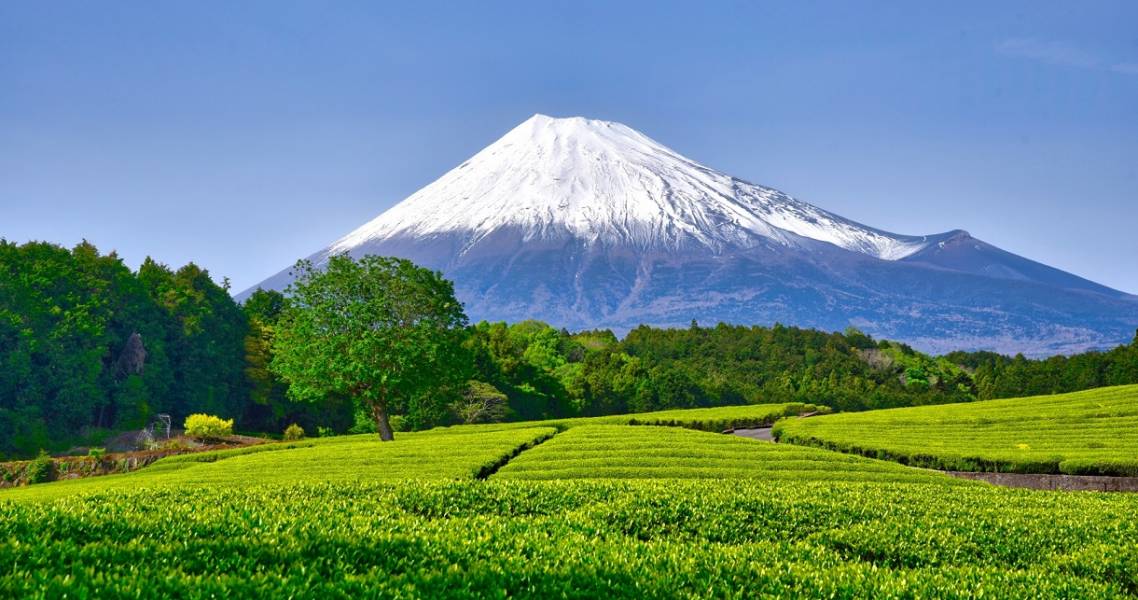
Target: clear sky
243, 136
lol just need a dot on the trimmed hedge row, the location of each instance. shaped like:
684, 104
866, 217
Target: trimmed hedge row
643, 539
715, 419
1084, 433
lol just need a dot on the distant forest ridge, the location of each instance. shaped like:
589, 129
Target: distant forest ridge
89, 347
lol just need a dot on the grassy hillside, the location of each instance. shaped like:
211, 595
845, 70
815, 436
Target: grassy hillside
620, 452
1082, 433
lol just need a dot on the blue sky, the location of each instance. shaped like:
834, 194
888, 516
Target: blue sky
243, 136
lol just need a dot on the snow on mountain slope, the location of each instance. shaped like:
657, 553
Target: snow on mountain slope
605, 183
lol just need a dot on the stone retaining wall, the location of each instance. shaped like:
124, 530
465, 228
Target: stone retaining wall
1096, 483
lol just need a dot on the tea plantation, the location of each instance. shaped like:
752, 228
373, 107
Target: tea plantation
576, 539
715, 419
1094, 432
619, 452
577, 510
345, 459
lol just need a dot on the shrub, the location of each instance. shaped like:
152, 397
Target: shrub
172, 444
1112, 467
40, 469
322, 431
96, 452
364, 423
293, 432
208, 427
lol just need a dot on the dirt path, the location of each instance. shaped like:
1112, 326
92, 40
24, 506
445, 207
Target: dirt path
762, 433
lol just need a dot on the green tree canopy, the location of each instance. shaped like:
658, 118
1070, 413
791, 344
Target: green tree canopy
380, 330
87, 345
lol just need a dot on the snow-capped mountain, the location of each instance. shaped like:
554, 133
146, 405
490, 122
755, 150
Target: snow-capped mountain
587, 223
604, 183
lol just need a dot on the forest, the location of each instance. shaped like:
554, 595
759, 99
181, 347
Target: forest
90, 347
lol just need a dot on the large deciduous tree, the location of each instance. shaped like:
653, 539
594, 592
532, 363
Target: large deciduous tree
380, 330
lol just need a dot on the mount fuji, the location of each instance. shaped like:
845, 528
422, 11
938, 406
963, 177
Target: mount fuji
585, 223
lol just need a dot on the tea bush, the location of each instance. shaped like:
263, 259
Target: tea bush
572, 539
1083, 433
704, 419
341, 459
576, 510
623, 452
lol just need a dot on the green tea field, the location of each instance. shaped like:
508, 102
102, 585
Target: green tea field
704, 419
574, 539
620, 452
1094, 432
583, 510
344, 459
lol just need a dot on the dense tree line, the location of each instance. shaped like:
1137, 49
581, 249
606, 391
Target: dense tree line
999, 376
546, 372
549, 373
89, 346
85, 343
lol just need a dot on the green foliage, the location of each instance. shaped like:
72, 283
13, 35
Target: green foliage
72, 323
97, 453
293, 432
547, 373
208, 427
623, 452
177, 443
998, 376
264, 305
346, 459
715, 419
1110, 467
1084, 433
364, 422
270, 408
379, 330
41, 469
524, 361
207, 331
601, 539
647, 512
87, 344
481, 403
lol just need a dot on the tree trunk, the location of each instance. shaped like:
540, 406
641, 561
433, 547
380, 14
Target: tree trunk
382, 425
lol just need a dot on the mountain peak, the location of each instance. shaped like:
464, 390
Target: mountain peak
543, 120
540, 129
601, 182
